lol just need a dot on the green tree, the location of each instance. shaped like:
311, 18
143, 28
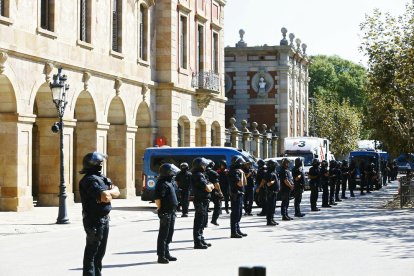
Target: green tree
337, 87
339, 122
388, 43
338, 79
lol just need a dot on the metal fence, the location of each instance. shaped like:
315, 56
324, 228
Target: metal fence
406, 190
261, 144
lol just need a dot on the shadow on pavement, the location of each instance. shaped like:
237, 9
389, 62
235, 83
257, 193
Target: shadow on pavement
153, 251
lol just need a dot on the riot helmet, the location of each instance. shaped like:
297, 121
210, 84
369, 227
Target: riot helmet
168, 170
332, 164
184, 166
285, 163
315, 162
210, 164
200, 164
324, 164
271, 165
92, 162
298, 162
344, 163
261, 163
237, 161
223, 163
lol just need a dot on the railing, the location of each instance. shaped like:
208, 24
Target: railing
207, 80
406, 190
261, 144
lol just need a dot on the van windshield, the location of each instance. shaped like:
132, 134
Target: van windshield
306, 155
157, 161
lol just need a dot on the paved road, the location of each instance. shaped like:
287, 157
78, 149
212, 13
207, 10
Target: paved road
357, 237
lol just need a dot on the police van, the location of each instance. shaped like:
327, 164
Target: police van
363, 158
154, 157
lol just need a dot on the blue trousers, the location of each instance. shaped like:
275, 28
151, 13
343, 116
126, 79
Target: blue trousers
165, 234
236, 213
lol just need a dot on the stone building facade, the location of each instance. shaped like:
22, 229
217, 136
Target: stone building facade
268, 85
140, 72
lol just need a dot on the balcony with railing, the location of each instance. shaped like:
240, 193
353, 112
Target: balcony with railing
207, 85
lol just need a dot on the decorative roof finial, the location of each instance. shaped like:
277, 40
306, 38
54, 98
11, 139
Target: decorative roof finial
304, 46
241, 43
298, 41
291, 38
283, 42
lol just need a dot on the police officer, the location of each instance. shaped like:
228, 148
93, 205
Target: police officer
371, 177
298, 185
249, 189
363, 172
271, 181
238, 181
166, 201
224, 183
352, 177
324, 181
286, 186
202, 189
332, 182
216, 194
314, 177
183, 180
384, 171
338, 180
260, 194
345, 178
96, 192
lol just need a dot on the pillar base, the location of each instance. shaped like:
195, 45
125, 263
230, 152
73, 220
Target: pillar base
52, 200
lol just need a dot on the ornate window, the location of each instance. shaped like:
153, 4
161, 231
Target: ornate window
215, 65
47, 15
143, 33
183, 41
85, 19
200, 48
117, 26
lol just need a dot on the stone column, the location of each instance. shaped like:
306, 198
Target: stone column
266, 142
16, 162
275, 138
257, 141
234, 133
246, 138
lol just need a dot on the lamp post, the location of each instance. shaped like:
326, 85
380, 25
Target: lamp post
59, 88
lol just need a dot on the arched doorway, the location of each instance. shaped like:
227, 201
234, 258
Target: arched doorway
183, 132
85, 136
15, 153
117, 146
200, 133
215, 134
143, 140
46, 151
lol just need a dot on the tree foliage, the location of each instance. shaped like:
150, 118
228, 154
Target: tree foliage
388, 43
339, 122
337, 87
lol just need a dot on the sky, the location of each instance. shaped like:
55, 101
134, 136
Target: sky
328, 27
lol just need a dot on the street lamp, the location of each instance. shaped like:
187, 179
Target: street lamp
59, 88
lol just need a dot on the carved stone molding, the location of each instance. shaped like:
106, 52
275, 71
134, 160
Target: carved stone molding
3, 58
144, 90
117, 86
203, 99
85, 79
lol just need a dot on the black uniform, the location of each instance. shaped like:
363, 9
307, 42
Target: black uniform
353, 173
338, 181
261, 194
224, 186
345, 179
314, 186
284, 193
165, 192
199, 183
371, 178
216, 196
324, 180
95, 220
236, 196
299, 186
271, 194
183, 180
332, 182
384, 171
249, 190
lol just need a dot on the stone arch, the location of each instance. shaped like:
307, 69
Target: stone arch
117, 145
183, 132
15, 154
46, 151
144, 139
215, 134
200, 133
84, 136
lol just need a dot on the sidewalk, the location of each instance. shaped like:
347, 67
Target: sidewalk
43, 219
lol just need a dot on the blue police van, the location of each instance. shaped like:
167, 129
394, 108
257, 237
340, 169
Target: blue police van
154, 157
367, 157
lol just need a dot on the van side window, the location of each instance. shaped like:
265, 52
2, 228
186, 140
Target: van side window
157, 161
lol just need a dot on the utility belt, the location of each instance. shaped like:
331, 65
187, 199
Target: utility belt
95, 219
